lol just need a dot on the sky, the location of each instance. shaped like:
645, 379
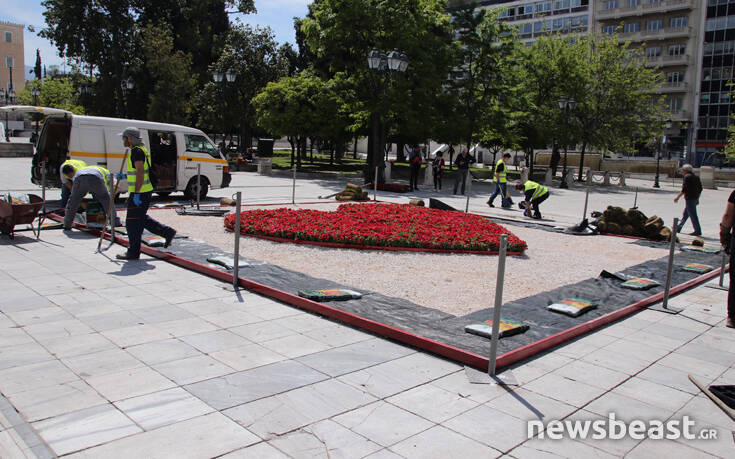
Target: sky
276, 14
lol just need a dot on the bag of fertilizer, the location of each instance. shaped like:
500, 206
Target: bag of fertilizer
330, 295
640, 283
697, 268
507, 328
572, 306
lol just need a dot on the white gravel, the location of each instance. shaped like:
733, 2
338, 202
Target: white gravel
454, 283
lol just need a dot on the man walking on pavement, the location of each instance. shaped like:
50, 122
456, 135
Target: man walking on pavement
535, 194
140, 191
463, 162
691, 189
726, 239
92, 179
66, 181
501, 181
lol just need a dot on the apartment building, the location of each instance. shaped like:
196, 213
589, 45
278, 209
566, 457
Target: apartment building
12, 59
670, 33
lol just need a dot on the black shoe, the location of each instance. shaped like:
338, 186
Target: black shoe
125, 256
490, 204
695, 234
169, 238
536, 216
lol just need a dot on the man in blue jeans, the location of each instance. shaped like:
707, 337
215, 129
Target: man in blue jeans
140, 190
501, 182
691, 189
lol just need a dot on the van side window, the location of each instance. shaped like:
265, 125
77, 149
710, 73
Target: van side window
200, 144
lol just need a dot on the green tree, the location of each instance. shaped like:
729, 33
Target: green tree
252, 54
288, 108
484, 50
37, 66
341, 33
171, 71
57, 92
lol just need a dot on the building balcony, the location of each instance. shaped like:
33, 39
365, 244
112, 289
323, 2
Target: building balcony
672, 87
677, 115
665, 61
665, 33
664, 6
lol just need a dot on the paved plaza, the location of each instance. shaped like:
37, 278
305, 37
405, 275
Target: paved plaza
100, 358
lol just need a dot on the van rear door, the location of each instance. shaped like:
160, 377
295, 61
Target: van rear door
53, 148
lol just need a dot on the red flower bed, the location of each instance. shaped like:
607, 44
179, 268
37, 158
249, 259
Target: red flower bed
394, 187
379, 225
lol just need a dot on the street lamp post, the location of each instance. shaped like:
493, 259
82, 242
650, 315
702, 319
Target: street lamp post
8, 97
386, 64
567, 104
35, 92
658, 156
224, 77
126, 85
685, 125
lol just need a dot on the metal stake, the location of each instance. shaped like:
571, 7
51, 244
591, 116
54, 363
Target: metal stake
669, 271
236, 266
375, 185
635, 200
586, 200
293, 188
199, 183
498, 305
468, 181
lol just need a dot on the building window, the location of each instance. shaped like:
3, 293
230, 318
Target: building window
654, 2
507, 13
561, 5
704, 98
526, 10
654, 51
674, 104
611, 4
609, 29
525, 28
656, 24
724, 97
632, 27
726, 73
632, 3
543, 7
707, 49
677, 50
678, 22
9, 62
674, 77
8, 37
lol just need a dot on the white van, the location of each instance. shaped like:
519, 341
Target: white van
176, 151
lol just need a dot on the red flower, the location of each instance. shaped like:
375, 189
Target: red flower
388, 225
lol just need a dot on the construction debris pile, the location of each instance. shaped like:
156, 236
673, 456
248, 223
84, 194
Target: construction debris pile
352, 193
616, 220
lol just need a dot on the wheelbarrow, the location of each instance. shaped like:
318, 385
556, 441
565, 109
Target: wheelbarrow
18, 214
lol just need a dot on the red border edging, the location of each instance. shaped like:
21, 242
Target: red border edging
444, 350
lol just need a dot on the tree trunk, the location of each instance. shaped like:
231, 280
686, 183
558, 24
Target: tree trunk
331, 154
581, 161
555, 157
299, 152
354, 148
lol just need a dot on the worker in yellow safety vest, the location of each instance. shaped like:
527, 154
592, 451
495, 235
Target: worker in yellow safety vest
66, 182
535, 194
140, 190
91, 179
501, 182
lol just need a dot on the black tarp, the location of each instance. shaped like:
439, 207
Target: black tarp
449, 329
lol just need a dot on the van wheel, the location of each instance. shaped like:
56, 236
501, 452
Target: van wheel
191, 189
164, 194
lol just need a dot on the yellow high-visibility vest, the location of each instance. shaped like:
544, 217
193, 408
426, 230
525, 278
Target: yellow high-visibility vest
539, 190
500, 176
105, 174
75, 163
132, 172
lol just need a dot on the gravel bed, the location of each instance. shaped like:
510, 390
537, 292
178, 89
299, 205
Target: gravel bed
454, 283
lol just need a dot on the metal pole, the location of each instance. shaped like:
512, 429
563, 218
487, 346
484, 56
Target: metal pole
498, 305
586, 200
199, 183
43, 196
236, 265
375, 185
293, 188
635, 200
468, 180
722, 269
670, 269
658, 162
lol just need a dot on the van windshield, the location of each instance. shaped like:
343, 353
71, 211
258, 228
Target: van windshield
200, 144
